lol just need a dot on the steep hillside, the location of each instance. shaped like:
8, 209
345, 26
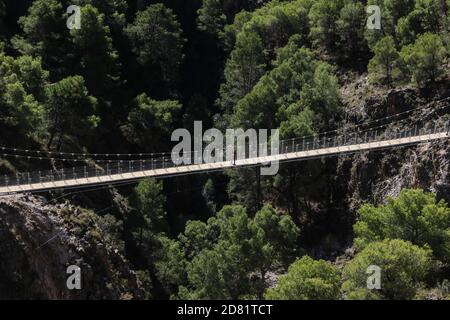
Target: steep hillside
376, 175
39, 240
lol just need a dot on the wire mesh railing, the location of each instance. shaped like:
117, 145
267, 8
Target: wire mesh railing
165, 161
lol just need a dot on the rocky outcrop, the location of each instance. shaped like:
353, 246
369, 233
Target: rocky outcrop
376, 175
38, 241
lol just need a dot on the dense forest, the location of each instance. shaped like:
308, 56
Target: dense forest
137, 70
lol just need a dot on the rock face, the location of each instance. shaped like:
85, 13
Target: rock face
38, 241
376, 175
371, 177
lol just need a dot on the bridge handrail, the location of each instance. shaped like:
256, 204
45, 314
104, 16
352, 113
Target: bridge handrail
286, 146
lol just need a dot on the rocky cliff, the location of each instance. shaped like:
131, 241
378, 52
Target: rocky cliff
374, 176
39, 240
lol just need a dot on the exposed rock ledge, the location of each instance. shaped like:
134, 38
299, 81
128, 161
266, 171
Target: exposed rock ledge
38, 241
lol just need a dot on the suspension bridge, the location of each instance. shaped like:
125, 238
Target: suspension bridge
111, 172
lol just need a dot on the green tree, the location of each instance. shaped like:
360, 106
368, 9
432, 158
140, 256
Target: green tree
408, 28
149, 121
350, 28
157, 41
385, 65
221, 273
425, 58
404, 268
323, 96
232, 223
93, 47
273, 242
149, 203
232, 253
254, 39
197, 236
307, 279
243, 69
160, 257
276, 22
298, 82
45, 34
69, 112
427, 16
323, 18
22, 83
275, 90
398, 8
300, 124
414, 216
392, 11
211, 17
243, 188
301, 96
170, 264
147, 224
114, 11
219, 250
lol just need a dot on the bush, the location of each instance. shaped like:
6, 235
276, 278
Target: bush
307, 279
403, 265
425, 58
415, 216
